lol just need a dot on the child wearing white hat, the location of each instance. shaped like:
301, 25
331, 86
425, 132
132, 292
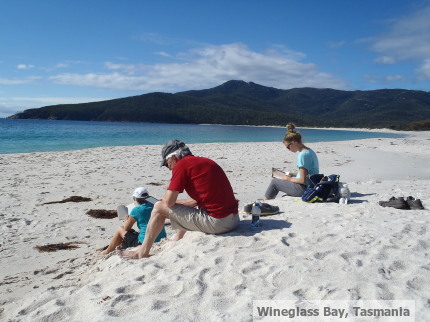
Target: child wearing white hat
140, 214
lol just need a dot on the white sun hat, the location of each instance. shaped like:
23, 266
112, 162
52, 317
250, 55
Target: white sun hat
140, 192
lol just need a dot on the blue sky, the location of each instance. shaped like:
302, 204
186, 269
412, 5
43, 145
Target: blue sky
57, 51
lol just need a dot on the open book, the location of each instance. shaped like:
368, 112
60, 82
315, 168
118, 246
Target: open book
124, 211
277, 173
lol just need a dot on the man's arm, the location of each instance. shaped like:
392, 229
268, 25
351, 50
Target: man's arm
171, 198
187, 202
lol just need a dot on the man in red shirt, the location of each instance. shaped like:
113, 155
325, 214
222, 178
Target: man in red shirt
211, 208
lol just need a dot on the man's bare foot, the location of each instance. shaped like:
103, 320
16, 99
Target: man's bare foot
164, 241
168, 240
176, 237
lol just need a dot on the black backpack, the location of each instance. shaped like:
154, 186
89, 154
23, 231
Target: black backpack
321, 188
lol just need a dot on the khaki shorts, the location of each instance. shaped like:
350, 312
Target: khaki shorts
193, 219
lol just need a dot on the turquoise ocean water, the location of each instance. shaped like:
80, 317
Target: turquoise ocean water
18, 136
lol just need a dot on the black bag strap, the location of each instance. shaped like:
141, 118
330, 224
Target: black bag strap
315, 179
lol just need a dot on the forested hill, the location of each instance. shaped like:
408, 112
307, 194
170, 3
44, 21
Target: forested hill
238, 102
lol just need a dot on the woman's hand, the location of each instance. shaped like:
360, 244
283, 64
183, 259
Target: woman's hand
302, 178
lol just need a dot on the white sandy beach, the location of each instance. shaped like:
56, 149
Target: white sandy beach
307, 252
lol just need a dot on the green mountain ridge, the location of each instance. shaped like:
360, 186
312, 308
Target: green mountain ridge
248, 103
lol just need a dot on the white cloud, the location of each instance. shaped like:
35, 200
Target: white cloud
371, 78
24, 66
385, 60
62, 65
13, 105
394, 78
407, 38
423, 71
58, 100
338, 44
162, 53
27, 80
8, 110
406, 41
131, 69
155, 38
378, 79
209, 66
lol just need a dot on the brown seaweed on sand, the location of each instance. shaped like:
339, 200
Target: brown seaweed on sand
55, 247
70, 199
102, 213
155, 184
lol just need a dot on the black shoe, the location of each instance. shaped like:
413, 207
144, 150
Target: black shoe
248, 208
398, 203
414, 203
267, 209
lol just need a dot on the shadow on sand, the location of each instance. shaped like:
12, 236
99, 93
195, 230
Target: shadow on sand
266, 223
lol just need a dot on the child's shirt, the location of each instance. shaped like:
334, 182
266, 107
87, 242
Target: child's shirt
141, 214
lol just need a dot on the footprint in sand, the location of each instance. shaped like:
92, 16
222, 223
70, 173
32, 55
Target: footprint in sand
286, 278
384, 293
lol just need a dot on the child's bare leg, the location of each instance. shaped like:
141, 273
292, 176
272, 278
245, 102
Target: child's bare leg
155, 225
116, 240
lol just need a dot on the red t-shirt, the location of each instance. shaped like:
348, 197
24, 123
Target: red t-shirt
206, 183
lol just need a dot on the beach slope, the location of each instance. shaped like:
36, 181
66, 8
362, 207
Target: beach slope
307, 252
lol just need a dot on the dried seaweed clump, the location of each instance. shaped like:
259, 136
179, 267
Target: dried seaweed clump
102, 213
70, 199
155, 184
55, 247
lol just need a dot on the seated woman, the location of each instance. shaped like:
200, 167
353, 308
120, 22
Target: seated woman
307, 163
126, 235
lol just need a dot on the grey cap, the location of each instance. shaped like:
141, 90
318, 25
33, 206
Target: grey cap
172, 146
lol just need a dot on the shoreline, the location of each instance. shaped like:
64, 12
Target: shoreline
277, 126
359, 129
388, 131
374, 252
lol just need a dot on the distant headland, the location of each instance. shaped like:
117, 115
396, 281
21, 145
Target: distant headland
247, 103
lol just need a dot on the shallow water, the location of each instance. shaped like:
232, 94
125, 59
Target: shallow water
17, 136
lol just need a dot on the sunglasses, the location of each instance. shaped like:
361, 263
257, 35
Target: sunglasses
288, 146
